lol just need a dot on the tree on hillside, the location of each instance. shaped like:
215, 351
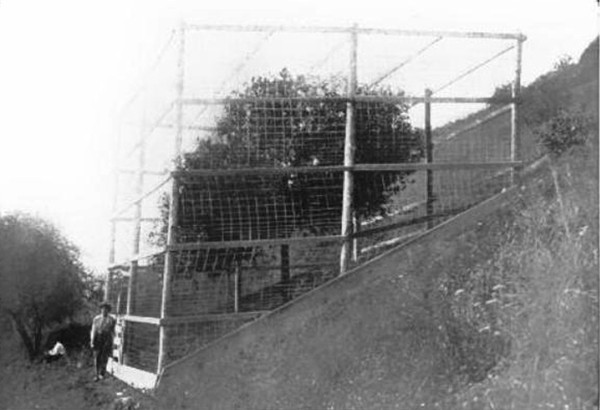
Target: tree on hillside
43, 282
282, 130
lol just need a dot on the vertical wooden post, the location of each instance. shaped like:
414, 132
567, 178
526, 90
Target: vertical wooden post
349, 148
179, 90
113, 223
130, 287
111, 251
515, 135
169, 268
111, 261
118, 307
137, 217
237, 287
285, 270
429, 159
113, 234
355, 229
170, 261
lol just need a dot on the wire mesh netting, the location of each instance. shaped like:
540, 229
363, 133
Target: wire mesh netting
408, 212
185, 338
140, 346
247, 207
248, 279
255, 124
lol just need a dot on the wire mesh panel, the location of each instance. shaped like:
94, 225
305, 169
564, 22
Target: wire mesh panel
487, 140
146, 296
407, 209
185, 338
140, 346
118, 285
251, 278
262, 206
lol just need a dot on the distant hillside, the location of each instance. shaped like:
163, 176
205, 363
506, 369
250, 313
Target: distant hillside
571, 86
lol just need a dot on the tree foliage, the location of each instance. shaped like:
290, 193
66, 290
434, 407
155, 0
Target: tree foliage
43, 282
270, 123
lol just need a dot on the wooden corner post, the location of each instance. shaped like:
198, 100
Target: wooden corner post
349, 150
137, 217
170, 260
179, 88
429, 158
169, 268
113, 223
515, 135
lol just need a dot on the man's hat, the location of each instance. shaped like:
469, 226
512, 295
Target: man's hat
106, 305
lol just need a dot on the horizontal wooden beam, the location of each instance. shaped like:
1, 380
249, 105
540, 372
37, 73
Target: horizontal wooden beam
255, 171
192, 246
127, 263
173, 320
190, 127
141, 319
145, 172
359, 98
409, 222
125, 219
391, 242
291, 267
435, 166
443, 33
416, 166
359, 30
138, 257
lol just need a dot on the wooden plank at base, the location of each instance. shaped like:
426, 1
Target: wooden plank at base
142, 319
140, 379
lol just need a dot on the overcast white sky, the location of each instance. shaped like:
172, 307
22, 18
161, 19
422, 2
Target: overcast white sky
67, 65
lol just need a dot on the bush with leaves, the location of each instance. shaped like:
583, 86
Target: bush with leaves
563, 131
43, 281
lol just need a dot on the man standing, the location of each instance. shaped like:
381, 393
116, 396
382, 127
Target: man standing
101, 339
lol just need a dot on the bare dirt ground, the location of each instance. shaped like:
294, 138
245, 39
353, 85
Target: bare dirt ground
61, 385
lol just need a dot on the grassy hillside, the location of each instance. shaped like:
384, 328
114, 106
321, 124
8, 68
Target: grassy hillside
536, 292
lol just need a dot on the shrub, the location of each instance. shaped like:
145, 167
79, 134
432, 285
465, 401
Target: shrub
563, 132
43, 281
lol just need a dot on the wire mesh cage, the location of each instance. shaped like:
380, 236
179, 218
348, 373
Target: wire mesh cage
296, 154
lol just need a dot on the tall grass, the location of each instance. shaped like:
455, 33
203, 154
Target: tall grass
519, 306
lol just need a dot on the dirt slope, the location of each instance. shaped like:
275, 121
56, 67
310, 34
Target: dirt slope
369, 340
